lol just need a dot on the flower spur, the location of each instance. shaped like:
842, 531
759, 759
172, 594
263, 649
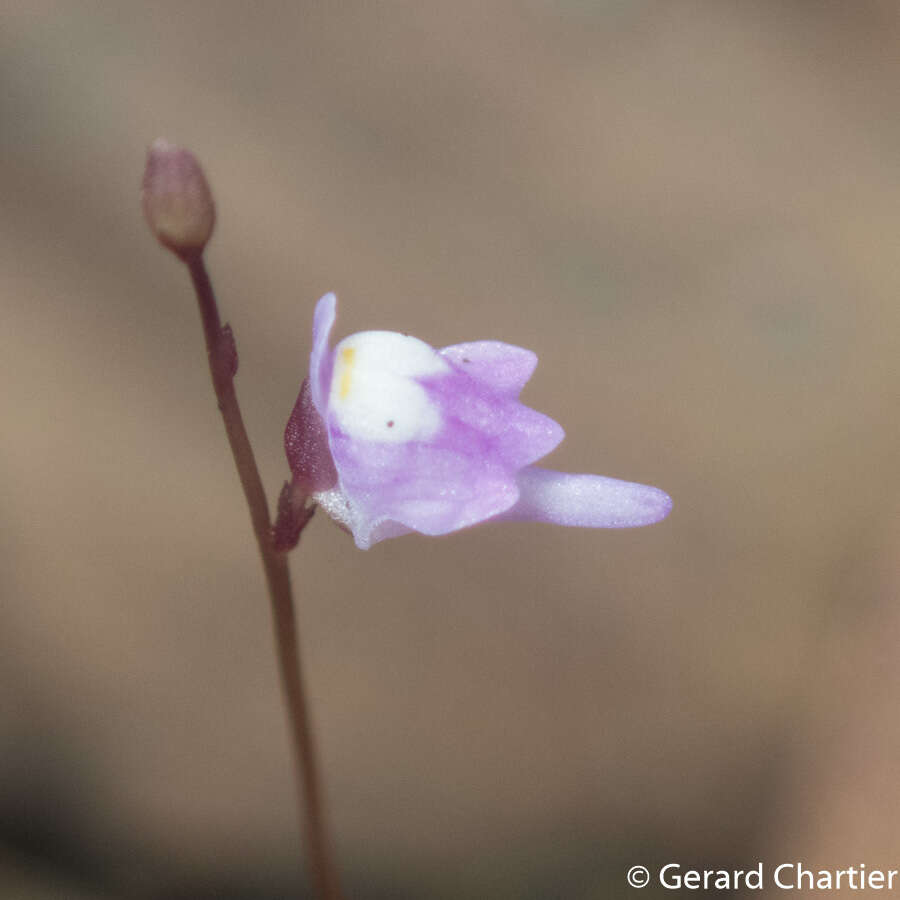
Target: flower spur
390, 436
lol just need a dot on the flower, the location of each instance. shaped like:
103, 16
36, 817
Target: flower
390, 435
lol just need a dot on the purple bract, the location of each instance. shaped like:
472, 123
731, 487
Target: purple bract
390, 436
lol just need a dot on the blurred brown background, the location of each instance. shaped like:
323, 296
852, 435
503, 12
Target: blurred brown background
689, 210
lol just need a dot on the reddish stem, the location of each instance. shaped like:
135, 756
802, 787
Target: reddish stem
220, 349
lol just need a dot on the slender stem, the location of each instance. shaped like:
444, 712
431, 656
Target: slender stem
223, 365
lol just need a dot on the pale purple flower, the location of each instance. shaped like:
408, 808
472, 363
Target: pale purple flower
391, 436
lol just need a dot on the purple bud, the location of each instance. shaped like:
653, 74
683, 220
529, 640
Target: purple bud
177, 201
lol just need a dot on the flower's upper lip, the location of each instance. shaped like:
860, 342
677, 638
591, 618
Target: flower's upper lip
320, 359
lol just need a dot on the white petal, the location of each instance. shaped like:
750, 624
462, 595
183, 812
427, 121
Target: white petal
375, 394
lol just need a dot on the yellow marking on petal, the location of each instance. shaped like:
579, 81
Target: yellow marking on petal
347, 355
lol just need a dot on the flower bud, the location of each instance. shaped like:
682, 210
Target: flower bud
177, 201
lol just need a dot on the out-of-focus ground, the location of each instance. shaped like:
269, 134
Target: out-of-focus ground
689, 210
